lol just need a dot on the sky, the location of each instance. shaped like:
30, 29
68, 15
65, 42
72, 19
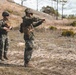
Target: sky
69, 7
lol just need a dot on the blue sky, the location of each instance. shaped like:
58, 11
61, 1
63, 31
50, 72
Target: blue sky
69, 7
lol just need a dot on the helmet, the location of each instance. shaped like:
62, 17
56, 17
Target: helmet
5, 14
28, 11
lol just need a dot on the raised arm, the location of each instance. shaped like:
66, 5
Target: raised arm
39, 22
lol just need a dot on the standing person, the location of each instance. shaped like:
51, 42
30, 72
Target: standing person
4, 29
27, 27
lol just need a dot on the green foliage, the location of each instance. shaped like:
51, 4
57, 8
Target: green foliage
53, 28
12, 12
49, 10
68, 33
71, 17
73, 24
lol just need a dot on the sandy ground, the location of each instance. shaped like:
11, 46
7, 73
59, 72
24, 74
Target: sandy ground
52, 54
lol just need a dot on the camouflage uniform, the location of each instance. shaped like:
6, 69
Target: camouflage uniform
3, 39
27, 28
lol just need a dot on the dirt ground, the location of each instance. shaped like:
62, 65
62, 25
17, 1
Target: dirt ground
52, 54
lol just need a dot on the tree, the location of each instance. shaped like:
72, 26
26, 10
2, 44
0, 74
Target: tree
50, 10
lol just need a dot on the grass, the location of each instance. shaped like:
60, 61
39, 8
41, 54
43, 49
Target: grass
13, 12
12, 71
20, 71
73, 24
68, 33
52, 28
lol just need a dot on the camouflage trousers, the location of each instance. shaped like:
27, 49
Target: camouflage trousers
3, 44
28, 50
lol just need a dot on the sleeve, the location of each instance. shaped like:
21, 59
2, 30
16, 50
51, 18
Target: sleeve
1, 25
27, 18
33, 19
37, 23
21, 30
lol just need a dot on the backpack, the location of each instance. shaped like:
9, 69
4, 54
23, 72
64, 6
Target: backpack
21, 29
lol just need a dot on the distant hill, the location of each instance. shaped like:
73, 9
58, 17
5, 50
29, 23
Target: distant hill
17, 12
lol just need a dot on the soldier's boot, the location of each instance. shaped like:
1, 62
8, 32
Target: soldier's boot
28, 65
5, 55
1, 56
25, 63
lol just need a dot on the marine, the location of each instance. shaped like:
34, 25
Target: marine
27, 27
4, 29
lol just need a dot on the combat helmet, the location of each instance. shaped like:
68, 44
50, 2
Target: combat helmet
5, 14
28, 11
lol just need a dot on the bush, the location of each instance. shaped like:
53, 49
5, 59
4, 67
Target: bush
50, 10
71, 17
68, 33
73, 24
53, 28
10, 11
13, 12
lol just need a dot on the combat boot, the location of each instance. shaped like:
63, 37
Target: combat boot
25, 63
5, 55
1, 56
28, 65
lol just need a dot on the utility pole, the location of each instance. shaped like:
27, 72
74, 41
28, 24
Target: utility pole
37, 5
22, 2
57, 10
63, 3
62, 7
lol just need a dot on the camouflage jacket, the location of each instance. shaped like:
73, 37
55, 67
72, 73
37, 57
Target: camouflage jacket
28, 25
3, 24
